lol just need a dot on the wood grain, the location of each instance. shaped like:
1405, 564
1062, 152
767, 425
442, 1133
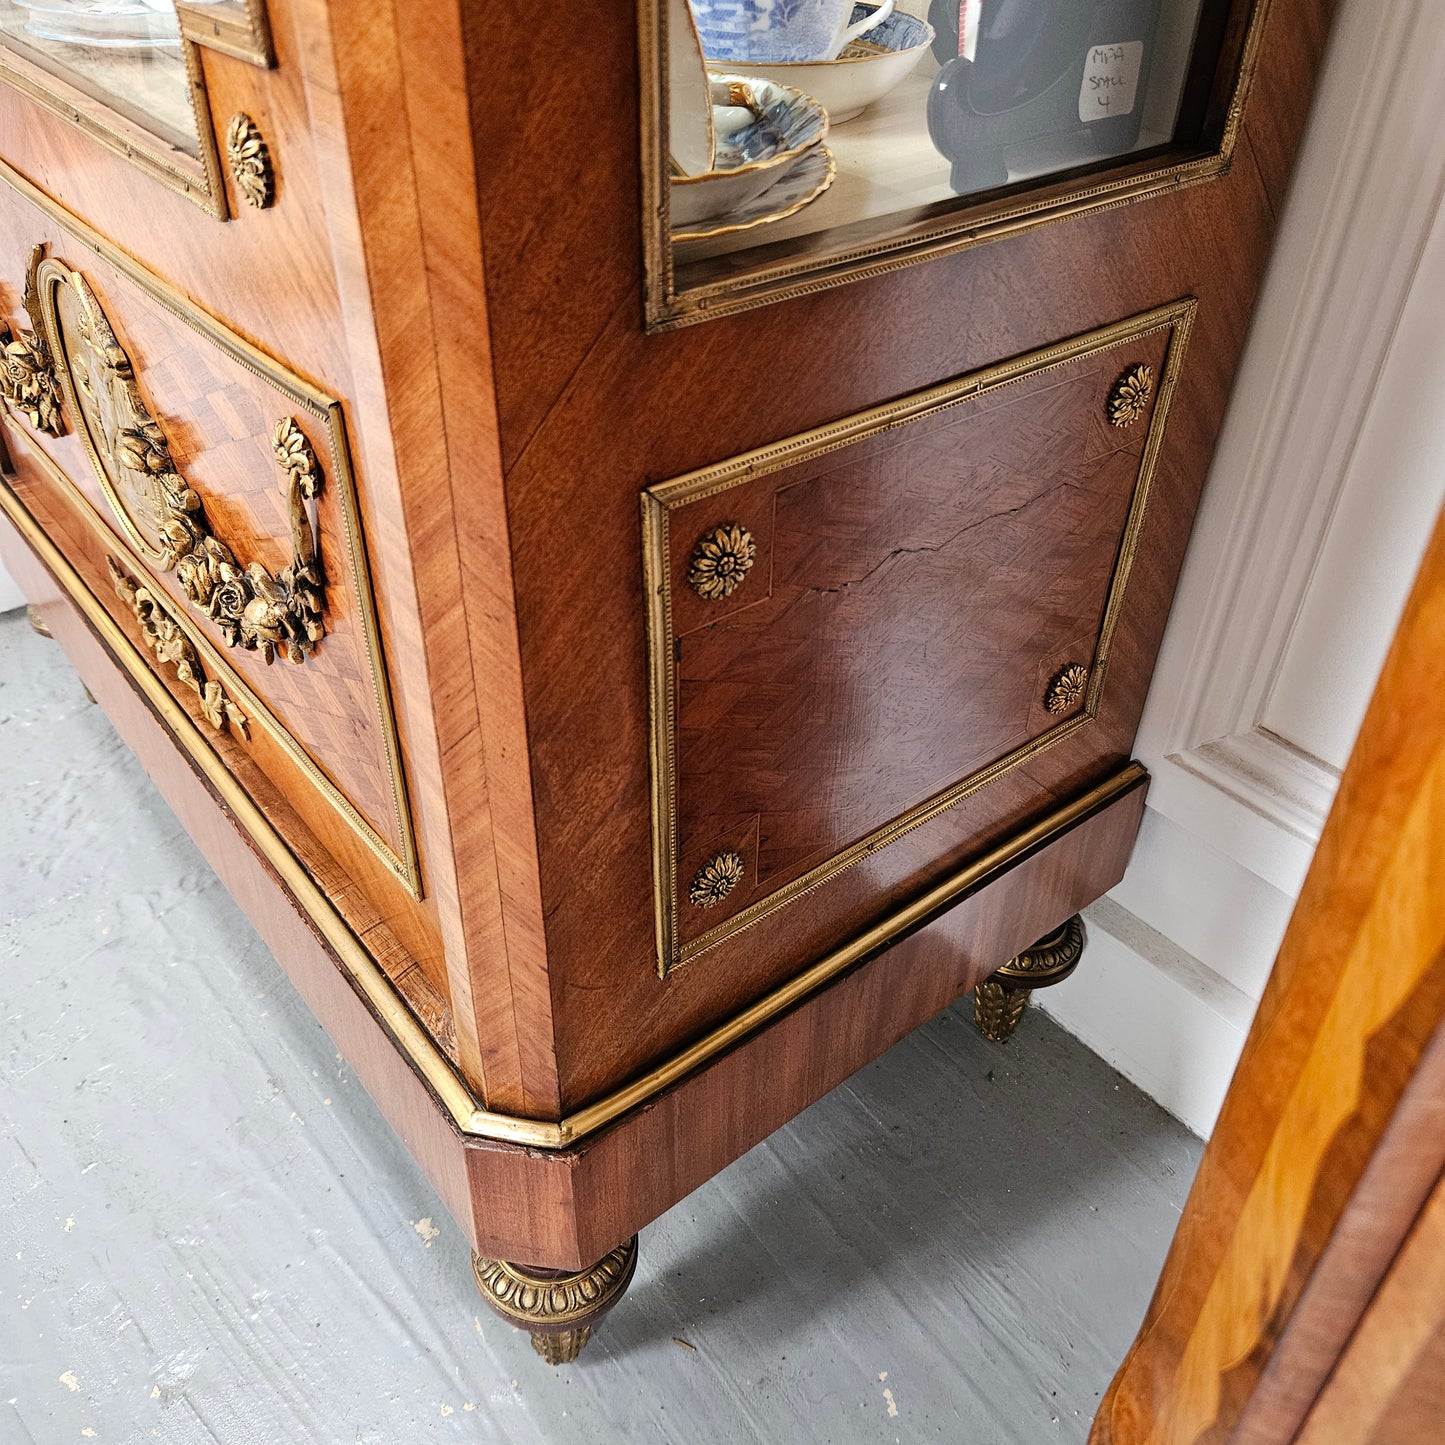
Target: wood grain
218, 417
915, 596
472, 287
591, 410
1330, 1138
408, 256
1389, 1387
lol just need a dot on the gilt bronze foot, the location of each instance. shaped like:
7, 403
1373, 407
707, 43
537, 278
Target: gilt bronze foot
556, 1308
36, 621
999, 1001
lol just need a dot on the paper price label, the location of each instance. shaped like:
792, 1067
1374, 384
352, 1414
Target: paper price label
1111, 80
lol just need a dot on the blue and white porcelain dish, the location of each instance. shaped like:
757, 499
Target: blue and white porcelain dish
786, 123
802, 181
779, 30
866, 70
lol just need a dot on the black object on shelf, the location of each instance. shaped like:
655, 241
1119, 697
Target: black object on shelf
1062, 79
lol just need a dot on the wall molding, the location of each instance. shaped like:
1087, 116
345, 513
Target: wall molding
1365, 196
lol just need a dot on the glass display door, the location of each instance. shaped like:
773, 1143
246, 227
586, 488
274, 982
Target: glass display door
820, 138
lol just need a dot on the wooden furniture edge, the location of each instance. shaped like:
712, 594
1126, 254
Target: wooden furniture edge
429, 1108
1344, 1033
640, 1166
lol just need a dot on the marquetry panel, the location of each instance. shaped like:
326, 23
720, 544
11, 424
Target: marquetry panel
856, 628
130, 353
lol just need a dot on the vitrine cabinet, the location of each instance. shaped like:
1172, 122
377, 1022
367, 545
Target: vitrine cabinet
633, 656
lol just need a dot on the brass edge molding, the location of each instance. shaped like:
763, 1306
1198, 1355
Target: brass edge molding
258, 710
238, 28
198, 178
381, 995
328, 411
667, 309
907, 919
657, 502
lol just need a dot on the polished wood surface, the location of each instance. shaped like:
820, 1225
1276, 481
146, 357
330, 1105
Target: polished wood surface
591, 409
1331, 1140
1389, 1387
406, 231
913, 599
471, 287
218, 416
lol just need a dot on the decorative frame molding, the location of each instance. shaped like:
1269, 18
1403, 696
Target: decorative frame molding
326, 411
1031, 204
1307, 387
237, 28
658, 502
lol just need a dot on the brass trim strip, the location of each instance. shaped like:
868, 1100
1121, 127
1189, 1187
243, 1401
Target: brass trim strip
327, 411
199, 179
666, 308
657, 502
238, 28
432, 1065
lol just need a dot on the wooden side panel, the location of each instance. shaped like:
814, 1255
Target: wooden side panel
1356, 998
218, 416
1389, 1387
927, 608
592, 412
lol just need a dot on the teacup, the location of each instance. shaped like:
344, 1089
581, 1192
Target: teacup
780, 30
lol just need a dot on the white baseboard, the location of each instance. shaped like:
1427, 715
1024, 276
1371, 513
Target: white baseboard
1177, 958
1167, 1022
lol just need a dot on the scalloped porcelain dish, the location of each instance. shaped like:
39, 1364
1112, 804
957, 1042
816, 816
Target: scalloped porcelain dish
786, 124
800, 183
866, 71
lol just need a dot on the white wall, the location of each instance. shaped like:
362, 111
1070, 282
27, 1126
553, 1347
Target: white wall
10, 594
1329, 474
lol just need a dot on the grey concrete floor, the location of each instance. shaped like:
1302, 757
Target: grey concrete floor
208, 1233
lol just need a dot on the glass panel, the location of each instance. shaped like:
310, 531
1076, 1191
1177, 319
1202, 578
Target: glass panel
126, 54
933, 107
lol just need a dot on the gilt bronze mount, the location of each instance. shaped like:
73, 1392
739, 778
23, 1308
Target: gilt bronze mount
165, 637
999, 1001
249, 161
253, 608
1130, 396
27, 369
556, 1308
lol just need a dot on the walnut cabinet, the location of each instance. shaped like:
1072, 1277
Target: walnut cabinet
629, 678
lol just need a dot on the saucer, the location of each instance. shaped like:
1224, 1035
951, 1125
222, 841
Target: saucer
747, 162
809, 175
866, 70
